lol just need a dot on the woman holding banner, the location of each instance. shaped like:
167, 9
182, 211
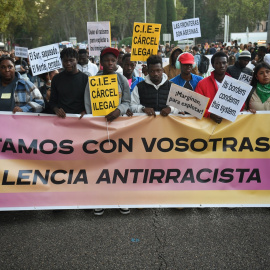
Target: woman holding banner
259, 97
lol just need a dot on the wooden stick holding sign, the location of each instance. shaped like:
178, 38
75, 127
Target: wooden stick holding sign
145, 40
186, 100
104, 94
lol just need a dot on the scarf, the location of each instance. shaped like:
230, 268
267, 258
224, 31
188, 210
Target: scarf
263, 91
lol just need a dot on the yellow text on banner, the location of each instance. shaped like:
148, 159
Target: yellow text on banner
104, 94
145, 40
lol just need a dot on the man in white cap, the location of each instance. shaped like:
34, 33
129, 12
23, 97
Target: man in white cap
240, 66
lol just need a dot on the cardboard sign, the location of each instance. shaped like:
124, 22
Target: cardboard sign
230, 98
184, 29
186, 100
45, 59
104, 94
245, 78
21, 52
145, 40
99, 36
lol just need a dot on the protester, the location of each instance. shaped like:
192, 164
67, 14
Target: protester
170, 70
108, 59
259, 97
17, 94
197, 56
120, 59
128, 71
151, 95
186, 78
212, 50
209, 86
67, 89
236, 52
240, 65
261, 53
21, 67
45, 89
85, 65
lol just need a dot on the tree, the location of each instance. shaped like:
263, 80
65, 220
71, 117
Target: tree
171, 15
161, 16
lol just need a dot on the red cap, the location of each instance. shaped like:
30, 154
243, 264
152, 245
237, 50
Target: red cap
186, 58
109, 50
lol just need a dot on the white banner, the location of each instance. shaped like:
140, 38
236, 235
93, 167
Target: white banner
21, 52
184, 29
99, 36
230, 98
45, 59
186, 100
245, 78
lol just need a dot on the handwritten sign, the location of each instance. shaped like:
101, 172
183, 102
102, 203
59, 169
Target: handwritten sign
184, 29
45, 59
245, 78
21, 52
230, 98
104, 94
187, 100
99, 36
145, 40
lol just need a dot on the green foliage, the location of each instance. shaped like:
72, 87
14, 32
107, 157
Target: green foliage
243, 13
11, 12
126, 41
171, 15
34, 23
161, 16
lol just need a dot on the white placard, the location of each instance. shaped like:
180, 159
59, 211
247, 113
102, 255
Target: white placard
99, 36
45, 59
230, 98
82, 46
245, 78
184, 29
21, 52
187, 100
69, 45
165, 62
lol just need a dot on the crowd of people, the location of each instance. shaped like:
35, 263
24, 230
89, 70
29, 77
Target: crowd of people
67, 90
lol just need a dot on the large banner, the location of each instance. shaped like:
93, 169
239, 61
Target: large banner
49, 163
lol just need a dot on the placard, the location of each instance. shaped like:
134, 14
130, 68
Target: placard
45, 59
245, 78
184, 29
21, 52
104, 94
82, 46
99, 36
145, 40
230, 98
186, 100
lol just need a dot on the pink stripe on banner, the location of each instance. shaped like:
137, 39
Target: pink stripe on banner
218, 174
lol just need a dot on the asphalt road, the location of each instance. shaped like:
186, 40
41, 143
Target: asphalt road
206, 238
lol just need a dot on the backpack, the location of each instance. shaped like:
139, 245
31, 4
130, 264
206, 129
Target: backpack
204, 64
